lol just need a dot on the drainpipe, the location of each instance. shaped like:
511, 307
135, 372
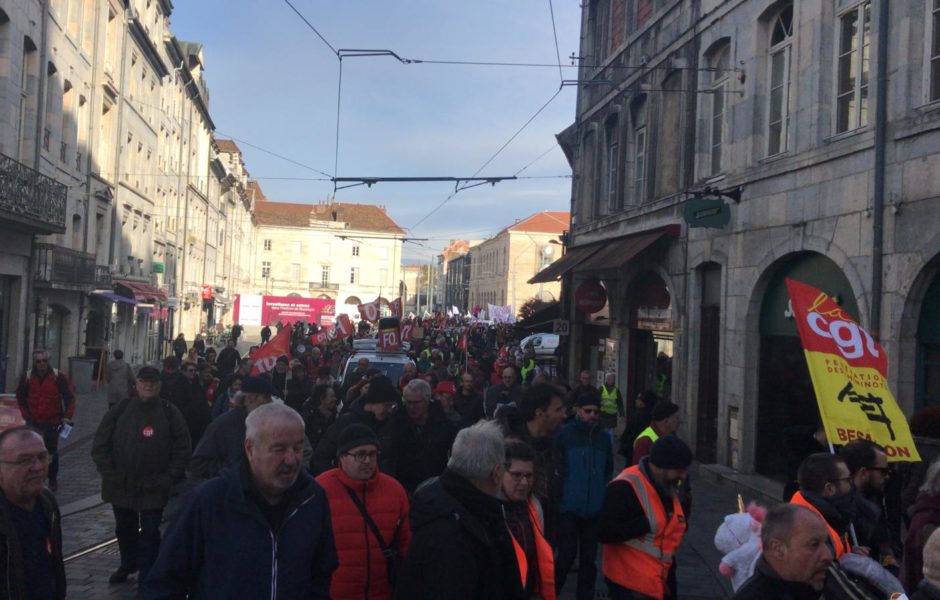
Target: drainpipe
878, 201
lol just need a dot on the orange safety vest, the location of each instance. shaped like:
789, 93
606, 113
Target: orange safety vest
839, 545
543, 553
642, 564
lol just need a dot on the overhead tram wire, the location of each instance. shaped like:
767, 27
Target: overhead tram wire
310, 25
555, 34
274, 154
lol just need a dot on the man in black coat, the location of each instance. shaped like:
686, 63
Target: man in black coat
460, 546
421, 436
506, 392
795, 557
228, 358
467, 402
169, 377
190, 398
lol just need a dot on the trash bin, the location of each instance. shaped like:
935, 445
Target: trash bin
82, 374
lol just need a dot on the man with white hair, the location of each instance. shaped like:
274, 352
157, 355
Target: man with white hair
260, 530
929, 588
460, 546
421, 436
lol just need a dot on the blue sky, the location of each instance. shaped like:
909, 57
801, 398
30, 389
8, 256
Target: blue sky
273, 83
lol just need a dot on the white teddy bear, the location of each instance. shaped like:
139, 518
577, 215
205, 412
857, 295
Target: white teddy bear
739, 538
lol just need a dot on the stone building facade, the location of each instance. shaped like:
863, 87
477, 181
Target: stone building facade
104, 123
502, 265
348, 252
820, 122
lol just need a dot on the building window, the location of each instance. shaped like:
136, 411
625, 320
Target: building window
265, 269
778, 109
383, 276
267, 245
637, 184
353, 274
295, 271
295, 247
355, 250
935, 51
612, 162
852, 78
325, 275
719, 62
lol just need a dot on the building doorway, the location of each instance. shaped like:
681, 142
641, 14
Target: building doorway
786, 405
650, 339
928, 347
706, 429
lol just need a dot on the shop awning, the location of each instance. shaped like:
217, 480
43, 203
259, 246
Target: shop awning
113, 297
142, 291
564, 264
616, 253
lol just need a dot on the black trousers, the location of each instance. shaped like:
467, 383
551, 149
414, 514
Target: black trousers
138, 535
577, 536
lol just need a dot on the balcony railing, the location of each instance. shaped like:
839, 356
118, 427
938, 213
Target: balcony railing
65, 268
320, 286
31, 198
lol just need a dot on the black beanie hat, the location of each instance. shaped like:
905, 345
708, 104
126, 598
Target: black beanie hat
354, 436
588, 399
669, 452
663, 410
380, 390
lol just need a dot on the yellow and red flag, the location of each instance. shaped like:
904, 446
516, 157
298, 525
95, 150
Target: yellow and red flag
849, 372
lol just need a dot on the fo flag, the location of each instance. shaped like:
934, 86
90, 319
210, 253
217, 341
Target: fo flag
389, 339
264, 358
343, 326
396, 307
370, 311
849, 372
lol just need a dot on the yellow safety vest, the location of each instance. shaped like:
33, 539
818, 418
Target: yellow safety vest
609, 400
648, 432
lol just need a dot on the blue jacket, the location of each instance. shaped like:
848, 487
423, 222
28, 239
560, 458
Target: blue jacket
221, 546
587, 466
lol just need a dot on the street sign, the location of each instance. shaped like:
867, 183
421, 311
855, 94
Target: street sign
708, 211
561, 327
590, 297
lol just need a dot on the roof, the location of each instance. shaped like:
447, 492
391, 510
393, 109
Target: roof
359, 217
282, 214
254, 190
227, 146
546, 221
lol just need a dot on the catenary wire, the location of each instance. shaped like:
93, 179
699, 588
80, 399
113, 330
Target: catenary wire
551, 9
310, 25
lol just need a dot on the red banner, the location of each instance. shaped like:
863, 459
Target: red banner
370, 311
320, 337
406, 331
389, 340
264, 358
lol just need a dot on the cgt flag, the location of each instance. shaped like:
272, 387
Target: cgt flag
848, 368
264, 358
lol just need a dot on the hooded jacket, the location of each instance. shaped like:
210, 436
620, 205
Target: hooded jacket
12, 584
363, 569
221, 545
460, 547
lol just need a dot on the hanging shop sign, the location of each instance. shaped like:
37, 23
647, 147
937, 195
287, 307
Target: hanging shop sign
590, 297
705, 211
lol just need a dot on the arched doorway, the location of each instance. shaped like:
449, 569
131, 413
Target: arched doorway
928, 347
786, 405
353, 300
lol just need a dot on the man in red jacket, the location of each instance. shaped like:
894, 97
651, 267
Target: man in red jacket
370, 519
47, 402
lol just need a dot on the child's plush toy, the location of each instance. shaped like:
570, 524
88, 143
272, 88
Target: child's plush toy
739, 538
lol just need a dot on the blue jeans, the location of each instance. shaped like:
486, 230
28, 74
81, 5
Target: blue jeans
138, 535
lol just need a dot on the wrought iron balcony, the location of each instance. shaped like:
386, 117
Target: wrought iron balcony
30, 198
64, 268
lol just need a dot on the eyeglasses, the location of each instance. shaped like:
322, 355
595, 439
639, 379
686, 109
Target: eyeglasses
27, 460
519, 476
362, 457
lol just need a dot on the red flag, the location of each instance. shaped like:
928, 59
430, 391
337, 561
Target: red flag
389, 340
406, 330
264, 358
343, 326
320, 337
396, 307
370, 311
462, 344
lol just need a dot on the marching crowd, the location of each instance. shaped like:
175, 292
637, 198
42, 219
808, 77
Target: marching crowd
475, 474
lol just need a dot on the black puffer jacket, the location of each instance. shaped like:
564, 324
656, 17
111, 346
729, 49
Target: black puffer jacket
420, 452
12, 585
460, 546
324, 456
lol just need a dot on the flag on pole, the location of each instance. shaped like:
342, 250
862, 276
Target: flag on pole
343, 326
849, 372
370, 311
264, 358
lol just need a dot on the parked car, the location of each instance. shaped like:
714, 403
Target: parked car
391, 364
544, 344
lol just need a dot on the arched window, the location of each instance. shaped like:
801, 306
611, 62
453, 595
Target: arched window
778, 96
719, 63
638, 150
612, 163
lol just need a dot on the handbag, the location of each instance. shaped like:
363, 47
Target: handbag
392, 558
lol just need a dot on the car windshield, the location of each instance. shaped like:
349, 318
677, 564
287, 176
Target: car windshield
392, 370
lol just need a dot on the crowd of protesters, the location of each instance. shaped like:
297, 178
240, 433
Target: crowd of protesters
476, 473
